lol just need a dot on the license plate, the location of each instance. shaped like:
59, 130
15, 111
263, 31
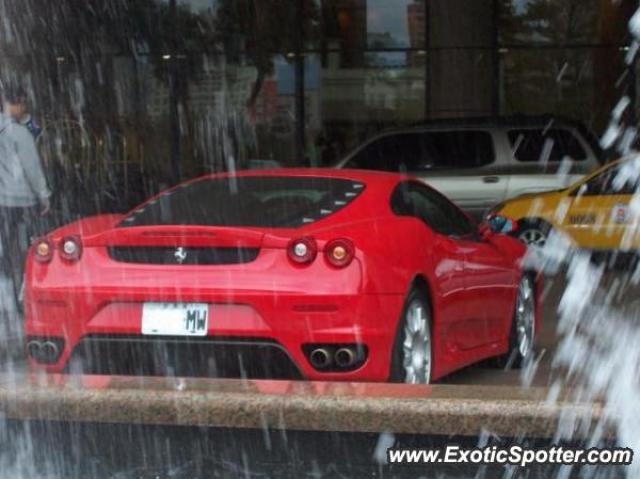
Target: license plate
175, 319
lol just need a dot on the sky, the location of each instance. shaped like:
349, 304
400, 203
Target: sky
520, 5
389, 16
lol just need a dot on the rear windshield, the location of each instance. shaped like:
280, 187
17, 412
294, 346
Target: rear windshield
259, 201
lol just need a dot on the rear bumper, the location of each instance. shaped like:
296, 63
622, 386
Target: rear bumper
187, 357
279, 325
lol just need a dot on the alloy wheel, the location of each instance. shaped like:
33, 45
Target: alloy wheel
525, 317
416, 347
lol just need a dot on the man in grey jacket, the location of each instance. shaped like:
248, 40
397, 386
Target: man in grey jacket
20, 112
24, 195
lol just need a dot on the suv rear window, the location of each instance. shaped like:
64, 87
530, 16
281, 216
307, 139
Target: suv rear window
529, 145
253, 201
426, 150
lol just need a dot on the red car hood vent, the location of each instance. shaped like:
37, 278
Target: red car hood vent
182, 255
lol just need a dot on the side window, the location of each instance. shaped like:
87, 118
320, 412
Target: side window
401, 152
420, 201
369, 158
457, 149
533, 145
426, 150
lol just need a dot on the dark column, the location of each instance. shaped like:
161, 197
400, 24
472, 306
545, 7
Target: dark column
495, 58
461, 38
427, 64
174, 98
299, 85
607, 60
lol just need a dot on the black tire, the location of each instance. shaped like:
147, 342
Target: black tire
398, 373
514, 359
529, 229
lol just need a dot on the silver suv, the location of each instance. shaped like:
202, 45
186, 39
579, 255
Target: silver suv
482, 161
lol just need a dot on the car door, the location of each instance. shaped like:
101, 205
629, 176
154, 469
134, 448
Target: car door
490, 282
598, 215
485, 275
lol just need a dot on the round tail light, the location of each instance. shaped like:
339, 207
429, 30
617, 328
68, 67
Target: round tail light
43, 250
302, 250
70, 248
339, 252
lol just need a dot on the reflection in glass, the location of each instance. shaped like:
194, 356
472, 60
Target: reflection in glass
349, 104
548, 21
551, 81
375, 24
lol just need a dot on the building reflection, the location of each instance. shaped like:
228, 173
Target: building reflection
234, 81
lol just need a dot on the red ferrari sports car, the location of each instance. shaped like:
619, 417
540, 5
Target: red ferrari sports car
317, 274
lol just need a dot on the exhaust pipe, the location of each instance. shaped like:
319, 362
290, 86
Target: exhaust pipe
345, 357
50, 351
34, 349
320, 358
43, 351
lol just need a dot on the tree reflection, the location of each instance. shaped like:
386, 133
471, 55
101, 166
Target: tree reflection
263, 29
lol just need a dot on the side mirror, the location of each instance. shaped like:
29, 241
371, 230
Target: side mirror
497, 224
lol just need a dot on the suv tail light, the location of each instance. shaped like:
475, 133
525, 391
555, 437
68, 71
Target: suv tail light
43, 250
302, 250
71, 248
339, 252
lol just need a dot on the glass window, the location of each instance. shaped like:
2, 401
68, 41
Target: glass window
458, 149
426, 151
392, 153
238, 113
552, 145
420, 201
549, 21
346, 104
561, 81
257, 201
359, 24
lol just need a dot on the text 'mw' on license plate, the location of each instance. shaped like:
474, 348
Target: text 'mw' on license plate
175, 319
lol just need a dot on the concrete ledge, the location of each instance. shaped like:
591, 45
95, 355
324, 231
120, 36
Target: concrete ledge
295, 405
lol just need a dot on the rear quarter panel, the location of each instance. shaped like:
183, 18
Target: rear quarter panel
392, 252
391, 249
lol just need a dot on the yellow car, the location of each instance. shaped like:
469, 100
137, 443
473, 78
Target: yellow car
595, 213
